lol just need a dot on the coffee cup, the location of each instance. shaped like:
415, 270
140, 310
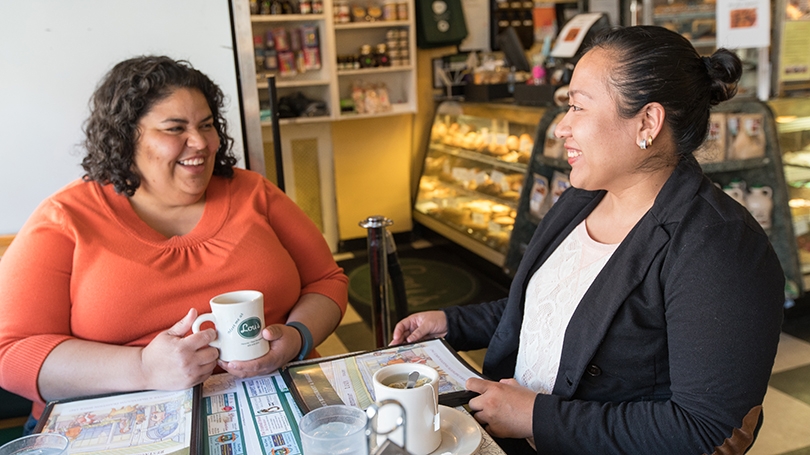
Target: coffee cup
421, 405
239, 319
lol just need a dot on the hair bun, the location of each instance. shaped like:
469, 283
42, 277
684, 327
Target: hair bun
725, 70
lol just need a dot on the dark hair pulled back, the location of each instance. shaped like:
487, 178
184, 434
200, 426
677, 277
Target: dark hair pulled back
654, 64
127, 93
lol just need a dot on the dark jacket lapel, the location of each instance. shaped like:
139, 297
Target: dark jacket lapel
623, 273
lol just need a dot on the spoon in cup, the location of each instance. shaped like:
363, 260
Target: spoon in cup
412, 379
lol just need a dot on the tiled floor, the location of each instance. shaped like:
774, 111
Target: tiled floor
786, 428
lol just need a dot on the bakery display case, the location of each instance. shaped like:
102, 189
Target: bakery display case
474, 172
546, 179
793, 127
492, 172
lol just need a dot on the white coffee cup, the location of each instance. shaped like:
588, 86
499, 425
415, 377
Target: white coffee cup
421, 403
239, 320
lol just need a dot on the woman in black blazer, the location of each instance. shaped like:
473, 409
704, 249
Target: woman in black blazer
645, 314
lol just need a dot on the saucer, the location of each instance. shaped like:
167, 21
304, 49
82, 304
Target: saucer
461, 434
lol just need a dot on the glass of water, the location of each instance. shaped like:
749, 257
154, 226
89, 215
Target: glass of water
37, 444
333, 430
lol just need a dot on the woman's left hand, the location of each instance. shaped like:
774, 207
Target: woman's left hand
503, 408
285, 344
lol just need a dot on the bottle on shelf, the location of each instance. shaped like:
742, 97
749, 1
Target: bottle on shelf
366, 58
264, 7
305, 6
381, 56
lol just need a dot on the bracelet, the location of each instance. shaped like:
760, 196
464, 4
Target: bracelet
306, 338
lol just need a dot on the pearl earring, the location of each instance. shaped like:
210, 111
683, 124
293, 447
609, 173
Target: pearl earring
643, 144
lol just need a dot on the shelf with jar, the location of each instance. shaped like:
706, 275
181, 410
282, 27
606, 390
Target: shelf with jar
286, 10
473, 174
374, 47
292, 52
358, 55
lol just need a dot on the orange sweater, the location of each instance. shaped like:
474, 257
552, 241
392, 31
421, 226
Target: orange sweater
86, 266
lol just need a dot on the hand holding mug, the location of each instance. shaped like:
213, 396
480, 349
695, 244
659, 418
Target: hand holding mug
285, 343
172, 362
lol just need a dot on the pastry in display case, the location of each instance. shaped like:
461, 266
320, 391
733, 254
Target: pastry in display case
474, 172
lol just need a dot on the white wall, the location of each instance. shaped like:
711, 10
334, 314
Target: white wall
52, 55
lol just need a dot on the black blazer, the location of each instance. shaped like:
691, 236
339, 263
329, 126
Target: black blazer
671, 347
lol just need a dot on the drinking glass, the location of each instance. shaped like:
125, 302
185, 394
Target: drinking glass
37, 444
334, 430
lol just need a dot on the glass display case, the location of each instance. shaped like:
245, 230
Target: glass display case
793, 127
473, 173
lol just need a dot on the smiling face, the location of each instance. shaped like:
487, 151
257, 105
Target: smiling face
602, 146
176, 150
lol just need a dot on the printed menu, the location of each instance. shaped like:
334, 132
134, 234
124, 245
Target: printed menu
150, 422
347, 379
227, 415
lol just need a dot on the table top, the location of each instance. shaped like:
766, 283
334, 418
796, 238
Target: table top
488, 446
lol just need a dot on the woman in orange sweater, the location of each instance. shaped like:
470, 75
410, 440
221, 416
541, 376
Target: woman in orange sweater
102, 283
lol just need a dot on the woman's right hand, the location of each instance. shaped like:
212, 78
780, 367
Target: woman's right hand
172, 361
418, 326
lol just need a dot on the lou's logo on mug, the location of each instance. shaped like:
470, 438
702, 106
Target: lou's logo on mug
250, 328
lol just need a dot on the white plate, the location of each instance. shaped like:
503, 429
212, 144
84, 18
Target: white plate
461, 434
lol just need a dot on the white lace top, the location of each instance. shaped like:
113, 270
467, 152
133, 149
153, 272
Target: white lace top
553, 293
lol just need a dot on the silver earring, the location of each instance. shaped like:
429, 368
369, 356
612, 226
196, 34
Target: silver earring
642, 144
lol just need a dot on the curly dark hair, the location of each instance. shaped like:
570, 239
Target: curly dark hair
123, 97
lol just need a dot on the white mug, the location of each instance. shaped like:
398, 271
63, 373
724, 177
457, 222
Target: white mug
421, 404
239, 320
